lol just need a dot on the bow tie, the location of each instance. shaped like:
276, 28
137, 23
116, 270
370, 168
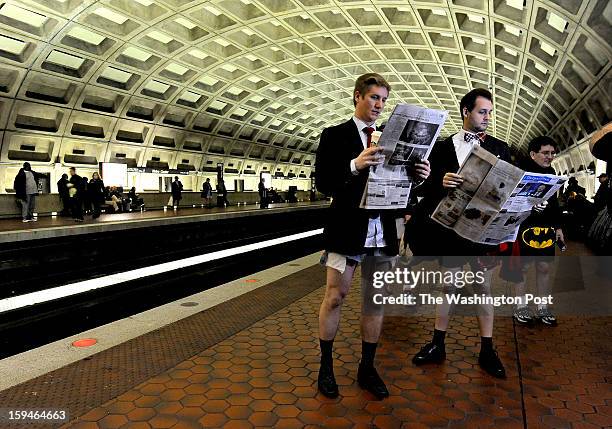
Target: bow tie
476, 138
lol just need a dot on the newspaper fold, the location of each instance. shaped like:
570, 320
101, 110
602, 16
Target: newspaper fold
407, 138
494, 198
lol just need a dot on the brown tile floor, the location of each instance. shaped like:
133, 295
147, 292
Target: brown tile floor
265, 376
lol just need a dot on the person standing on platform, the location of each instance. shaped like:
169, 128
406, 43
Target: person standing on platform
601, 196
427, 237
74, 192
545, 218
26, 190
222, 194
96, 192
207, 193
353, 235
263, 194
62, 189
177, 192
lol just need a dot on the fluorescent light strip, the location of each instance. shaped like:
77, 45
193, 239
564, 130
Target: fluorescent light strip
33, 298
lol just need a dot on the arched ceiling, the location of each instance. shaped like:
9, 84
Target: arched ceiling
259, 79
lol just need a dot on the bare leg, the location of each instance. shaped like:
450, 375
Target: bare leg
485, 311
543, 280
445, 310
338, 285
372, 314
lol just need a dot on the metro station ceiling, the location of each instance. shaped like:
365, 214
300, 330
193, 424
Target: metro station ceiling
259, 79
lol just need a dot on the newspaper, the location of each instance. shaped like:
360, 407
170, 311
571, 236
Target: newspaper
494, 198
407, 138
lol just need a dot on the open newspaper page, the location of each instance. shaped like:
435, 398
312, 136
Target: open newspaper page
494, 199
407, 138
533, 189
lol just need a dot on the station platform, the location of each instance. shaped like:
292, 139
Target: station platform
245, 354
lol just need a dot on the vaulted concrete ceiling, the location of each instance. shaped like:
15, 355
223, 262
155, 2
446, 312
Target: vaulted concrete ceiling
258, 79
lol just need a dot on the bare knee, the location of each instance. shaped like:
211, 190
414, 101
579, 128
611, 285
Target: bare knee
543, 267
334, 298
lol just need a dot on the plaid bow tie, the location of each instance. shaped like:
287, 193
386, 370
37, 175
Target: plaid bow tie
475, 138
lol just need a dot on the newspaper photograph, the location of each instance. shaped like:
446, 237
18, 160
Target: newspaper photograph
494, 198
408, 138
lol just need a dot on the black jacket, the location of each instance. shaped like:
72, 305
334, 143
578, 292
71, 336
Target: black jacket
551, 215
427, 237
177, 189
96, 190
19, 184
346, 224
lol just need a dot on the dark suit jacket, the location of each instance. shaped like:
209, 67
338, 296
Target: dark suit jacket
347, 225
427, 237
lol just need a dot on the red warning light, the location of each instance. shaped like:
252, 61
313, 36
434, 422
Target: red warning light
86, 342
251, 280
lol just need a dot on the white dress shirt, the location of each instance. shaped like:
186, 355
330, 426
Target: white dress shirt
463, 148
374, 238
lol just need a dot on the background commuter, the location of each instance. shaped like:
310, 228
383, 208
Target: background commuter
62, 189
96, 193
177, 192
75, 193
207, 193
26, 190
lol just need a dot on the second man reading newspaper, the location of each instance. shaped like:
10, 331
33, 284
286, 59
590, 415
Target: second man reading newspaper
353, 235
428, 238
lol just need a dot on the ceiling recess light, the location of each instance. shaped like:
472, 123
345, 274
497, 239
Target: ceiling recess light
110, 15
541, 67
439, 12
160, 37
156, 86
512, 30
478, 40
213, 10
516, 4
177, 69
556, 22
476, 18
198, 54
23, 15
185, 23
549, 49
511, 51
86, 35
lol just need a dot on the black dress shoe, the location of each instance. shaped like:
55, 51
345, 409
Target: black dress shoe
430, 353
327, 383
369, 380
489, 361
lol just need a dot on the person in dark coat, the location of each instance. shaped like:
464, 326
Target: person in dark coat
207, 193
222, 194
426, 237
263, 194
75, 191
353, 235
602, 196
26, 190
62, 189
177, 192
96, 193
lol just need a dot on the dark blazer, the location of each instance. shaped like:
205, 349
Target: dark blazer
346, 224
19, 184
427, 237
177, 189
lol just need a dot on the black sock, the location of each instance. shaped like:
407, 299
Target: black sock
368, 351
326, 353
438, 337
486, 344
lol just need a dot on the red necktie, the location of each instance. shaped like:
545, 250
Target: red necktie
368, 131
